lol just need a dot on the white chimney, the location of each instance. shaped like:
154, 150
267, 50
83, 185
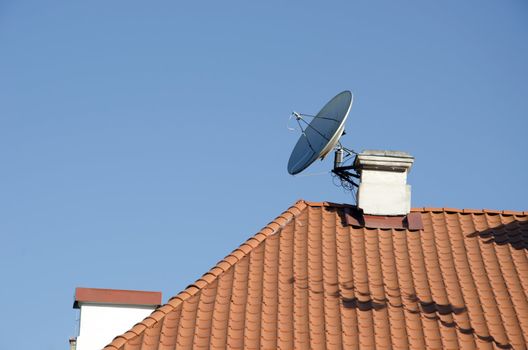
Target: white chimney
106, 313
383, 188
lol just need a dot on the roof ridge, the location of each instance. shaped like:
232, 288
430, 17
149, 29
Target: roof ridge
470, 211
329, 204
211, 275
429, 209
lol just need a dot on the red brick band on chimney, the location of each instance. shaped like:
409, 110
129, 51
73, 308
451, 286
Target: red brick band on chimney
411, 221
116, 296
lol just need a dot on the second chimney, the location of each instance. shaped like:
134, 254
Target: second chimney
383, 189
105, 313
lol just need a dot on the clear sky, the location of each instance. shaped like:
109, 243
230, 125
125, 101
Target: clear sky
142, 141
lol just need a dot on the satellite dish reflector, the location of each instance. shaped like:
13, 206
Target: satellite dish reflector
322, 134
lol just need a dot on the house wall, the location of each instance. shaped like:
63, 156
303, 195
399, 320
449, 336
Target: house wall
100, 323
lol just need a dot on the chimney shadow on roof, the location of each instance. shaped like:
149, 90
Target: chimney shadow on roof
515, 234
429, 309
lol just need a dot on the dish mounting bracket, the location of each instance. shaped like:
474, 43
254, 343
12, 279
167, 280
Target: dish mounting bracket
346, 173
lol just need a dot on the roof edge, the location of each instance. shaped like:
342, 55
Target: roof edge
222, 266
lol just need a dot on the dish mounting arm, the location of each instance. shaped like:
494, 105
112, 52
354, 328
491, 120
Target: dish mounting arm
346, 173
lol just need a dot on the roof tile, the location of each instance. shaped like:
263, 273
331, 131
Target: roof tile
491, 211
157, 315
451, 210
472, 211
165, 309
309, 280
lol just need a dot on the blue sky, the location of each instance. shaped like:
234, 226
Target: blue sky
140, 142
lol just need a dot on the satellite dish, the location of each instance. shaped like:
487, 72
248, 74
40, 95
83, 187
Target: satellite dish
321, 134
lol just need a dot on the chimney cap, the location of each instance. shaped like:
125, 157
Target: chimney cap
116, 296
384, 160
386, 153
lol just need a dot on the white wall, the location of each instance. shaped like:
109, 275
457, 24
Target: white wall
384, 193
100, 323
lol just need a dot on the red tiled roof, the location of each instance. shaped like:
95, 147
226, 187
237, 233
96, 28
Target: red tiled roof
310, 280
